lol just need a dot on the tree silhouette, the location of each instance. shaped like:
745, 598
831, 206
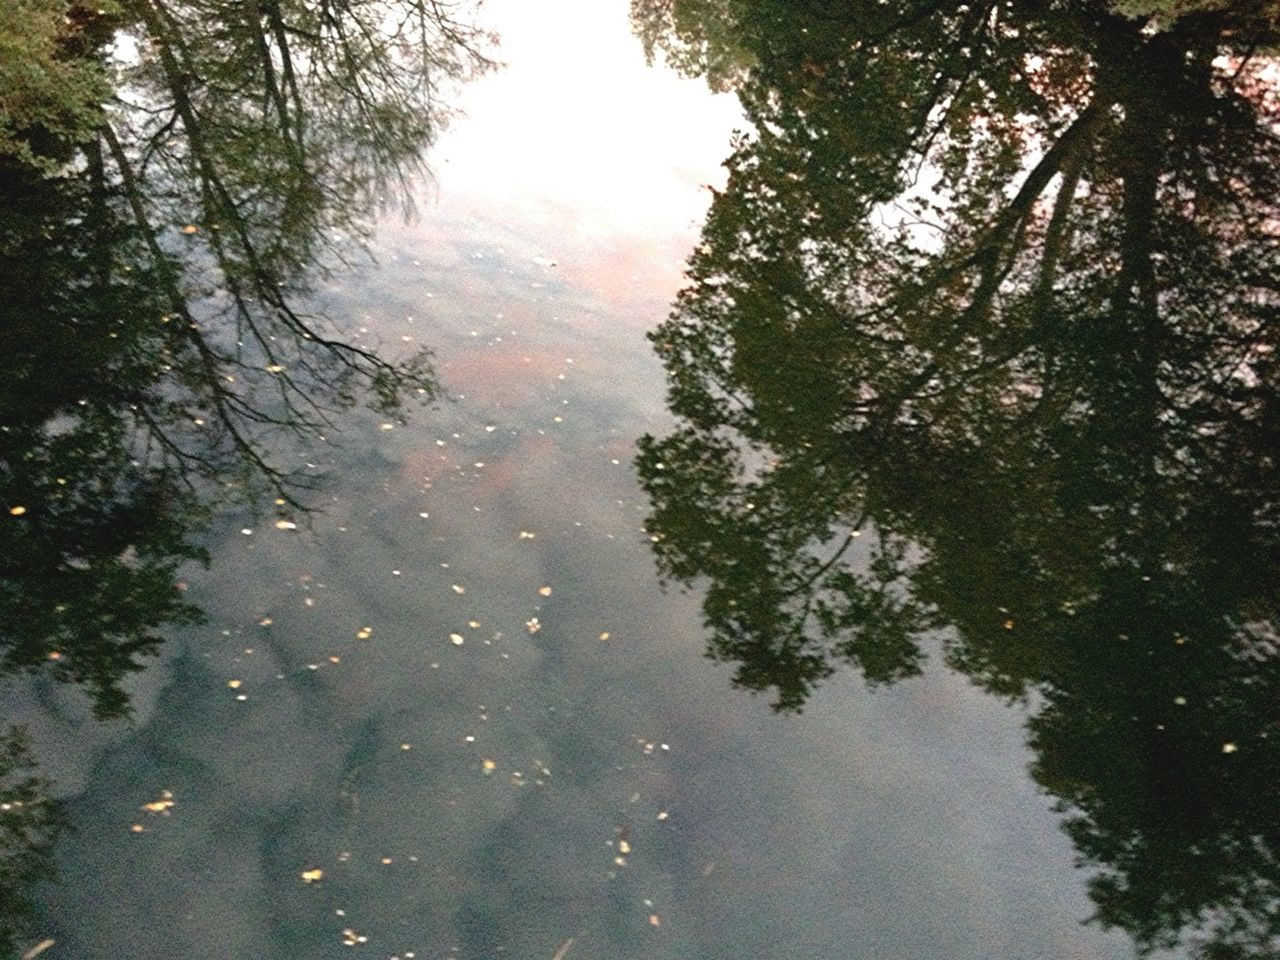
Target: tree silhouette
165, 218
981, 339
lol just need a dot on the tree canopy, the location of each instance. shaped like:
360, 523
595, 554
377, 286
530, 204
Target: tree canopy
979, 345
176, 176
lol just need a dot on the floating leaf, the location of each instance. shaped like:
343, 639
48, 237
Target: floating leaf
162, 805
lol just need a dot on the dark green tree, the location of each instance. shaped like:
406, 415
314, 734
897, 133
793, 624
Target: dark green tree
164, 219
29, 823
980, 343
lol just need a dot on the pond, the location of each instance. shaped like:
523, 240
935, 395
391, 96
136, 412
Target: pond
472, 492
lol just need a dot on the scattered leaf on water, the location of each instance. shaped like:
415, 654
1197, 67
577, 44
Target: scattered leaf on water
544, 591
162, 805
456, 639
312, 876
17, 511
286, 525
38, 949
364, 633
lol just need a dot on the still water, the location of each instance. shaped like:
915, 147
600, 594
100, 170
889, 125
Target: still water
986, 576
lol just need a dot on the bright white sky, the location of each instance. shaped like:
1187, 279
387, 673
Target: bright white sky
577, 121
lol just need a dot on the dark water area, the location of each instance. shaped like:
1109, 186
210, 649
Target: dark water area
812, 496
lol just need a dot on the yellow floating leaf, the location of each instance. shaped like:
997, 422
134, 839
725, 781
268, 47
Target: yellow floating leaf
544, 591
235, 684
190, 228
456, 639
38, 949
159, 806
312, 876
488, 765
364, 633
286, 525
458, 588
17, 511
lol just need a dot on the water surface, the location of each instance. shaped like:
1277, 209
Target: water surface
457, 712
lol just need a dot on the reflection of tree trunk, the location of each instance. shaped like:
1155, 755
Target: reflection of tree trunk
101, 253
1139, 154
1057, 234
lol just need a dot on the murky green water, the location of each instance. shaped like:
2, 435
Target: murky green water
971, 501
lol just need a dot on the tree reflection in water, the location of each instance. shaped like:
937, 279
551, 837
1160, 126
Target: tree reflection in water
981, 339
176, 175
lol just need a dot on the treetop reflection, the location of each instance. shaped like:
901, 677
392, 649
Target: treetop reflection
176, 175
980, 339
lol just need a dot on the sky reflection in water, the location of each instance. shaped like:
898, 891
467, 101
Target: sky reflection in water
888, 823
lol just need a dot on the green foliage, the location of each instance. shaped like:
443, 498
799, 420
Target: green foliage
49, 92
695, 37
29, 822
979, 349
159, 356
